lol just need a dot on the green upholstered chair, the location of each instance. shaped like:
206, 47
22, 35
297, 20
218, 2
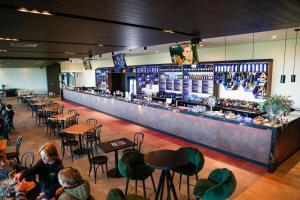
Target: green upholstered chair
117, 194
220, 185
132, 166
195, 164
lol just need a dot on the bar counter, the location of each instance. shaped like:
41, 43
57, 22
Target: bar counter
263, 145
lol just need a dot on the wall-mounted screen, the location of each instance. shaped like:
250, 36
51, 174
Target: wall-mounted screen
119, 60
184, 54
87, 64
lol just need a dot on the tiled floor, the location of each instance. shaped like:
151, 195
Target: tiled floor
247, 174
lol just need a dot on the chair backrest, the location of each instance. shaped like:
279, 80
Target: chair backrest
90, 154
98, 130
18, 144
72, 112
76, 118
115, 194
138, 139
91, 121
128, 162
193, 156
61, 110
27, 159
226, 184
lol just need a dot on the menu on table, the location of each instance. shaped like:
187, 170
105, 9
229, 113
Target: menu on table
118, 143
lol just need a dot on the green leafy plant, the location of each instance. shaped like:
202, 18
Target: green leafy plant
278, 105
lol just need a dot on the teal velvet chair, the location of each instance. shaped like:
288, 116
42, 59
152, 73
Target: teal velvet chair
132, 166
220, 185
195, 164
117, 194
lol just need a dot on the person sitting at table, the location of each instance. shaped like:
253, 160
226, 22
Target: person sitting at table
6, 166
73, 186
9, 115
47, 169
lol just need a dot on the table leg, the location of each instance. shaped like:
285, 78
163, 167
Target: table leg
160, 184
114, 173
81, 150
170, 180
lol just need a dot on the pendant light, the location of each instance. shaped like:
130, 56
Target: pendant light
252, 56
293, 76
282, 77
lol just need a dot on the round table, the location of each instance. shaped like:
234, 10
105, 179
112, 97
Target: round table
165, 160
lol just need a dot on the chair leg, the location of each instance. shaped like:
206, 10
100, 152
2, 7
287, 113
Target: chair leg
71, 149
180, 181
127, 183
102, 168
95, 173
136, 187
153, 183
144, 187
90, 169
188, 187
173, 174
106, 170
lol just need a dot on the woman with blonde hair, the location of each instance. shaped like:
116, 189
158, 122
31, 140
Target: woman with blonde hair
73, 186
47, 169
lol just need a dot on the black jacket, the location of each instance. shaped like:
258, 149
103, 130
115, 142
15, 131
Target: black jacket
48, 175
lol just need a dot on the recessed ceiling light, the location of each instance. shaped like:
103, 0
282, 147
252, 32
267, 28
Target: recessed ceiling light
70, 53
46, 13
23, 10
168, 31
274, 37
34, 11
100, 45
8, 39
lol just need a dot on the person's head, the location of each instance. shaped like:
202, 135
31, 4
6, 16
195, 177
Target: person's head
69, 177
48, 153
187, 52
9, 106
3, 159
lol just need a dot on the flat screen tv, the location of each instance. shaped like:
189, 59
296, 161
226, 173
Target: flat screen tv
119, 61
87, 64
184, 54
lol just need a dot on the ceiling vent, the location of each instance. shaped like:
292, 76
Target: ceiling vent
22, 44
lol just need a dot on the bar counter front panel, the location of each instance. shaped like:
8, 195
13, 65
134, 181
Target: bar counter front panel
249, 143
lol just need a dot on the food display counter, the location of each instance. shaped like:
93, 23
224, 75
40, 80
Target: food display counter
264, 145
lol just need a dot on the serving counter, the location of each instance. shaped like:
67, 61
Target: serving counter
263, 145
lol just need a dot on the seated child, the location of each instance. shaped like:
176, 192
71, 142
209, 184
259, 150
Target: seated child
73, 186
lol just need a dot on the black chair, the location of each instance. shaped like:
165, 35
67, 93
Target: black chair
95, 162
68, 140
138, 139
15, 155
94, 138
27, 160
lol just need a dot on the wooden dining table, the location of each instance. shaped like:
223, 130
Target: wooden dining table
51, 108
79, 129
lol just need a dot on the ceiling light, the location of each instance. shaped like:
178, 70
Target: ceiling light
100, 55
145, 48
274, 37
3, 50
23, 10
46, 13
34, 11
70, 53
8, 39
112, 53
100, 45
168, 31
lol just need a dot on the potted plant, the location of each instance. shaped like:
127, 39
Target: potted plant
278, 106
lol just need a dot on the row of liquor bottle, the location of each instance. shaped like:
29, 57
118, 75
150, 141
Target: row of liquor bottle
249, 67
204, 76
147, 69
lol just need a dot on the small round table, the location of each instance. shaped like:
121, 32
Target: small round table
165, 160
